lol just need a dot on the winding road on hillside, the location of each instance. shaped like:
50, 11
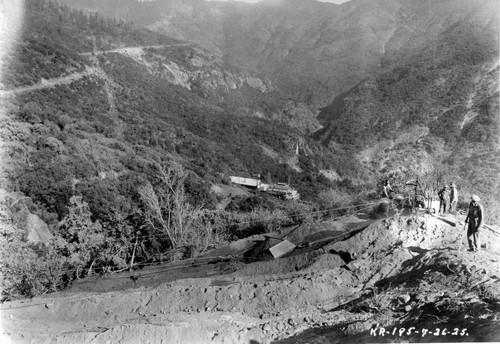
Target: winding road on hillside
68, 79
63, 80
133, 50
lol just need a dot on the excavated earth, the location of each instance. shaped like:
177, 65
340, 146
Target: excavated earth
404, 278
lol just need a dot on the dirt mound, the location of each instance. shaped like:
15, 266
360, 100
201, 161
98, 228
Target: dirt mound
398, 272
418, 232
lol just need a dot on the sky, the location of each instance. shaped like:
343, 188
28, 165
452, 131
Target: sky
253, 1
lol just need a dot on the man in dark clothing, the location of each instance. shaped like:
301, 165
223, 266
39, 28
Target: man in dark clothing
444, 199
475, 219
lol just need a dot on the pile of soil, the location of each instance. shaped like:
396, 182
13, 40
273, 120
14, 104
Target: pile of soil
345, 282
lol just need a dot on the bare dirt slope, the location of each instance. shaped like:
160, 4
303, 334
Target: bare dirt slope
399, 279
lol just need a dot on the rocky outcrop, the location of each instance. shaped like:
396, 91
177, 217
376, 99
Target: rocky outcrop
36, 229
15, 211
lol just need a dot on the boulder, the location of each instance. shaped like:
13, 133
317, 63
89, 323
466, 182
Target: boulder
383, 207
405, 298
353, 266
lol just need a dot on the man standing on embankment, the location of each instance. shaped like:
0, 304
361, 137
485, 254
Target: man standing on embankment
475, 219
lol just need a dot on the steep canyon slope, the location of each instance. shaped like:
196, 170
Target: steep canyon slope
439, 101
397, 83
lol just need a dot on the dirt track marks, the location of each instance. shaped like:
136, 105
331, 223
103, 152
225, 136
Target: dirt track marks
133, 50
50, 83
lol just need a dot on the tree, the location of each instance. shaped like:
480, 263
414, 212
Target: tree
432, 180
166, 209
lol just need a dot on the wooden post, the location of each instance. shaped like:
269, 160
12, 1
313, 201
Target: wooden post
90, 269
133, 253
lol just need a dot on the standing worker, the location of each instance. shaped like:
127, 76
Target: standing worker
475, 219
444, 199
453, 198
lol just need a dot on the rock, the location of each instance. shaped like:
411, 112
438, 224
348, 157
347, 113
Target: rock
353, 266
405, 298
280, 326
408, 308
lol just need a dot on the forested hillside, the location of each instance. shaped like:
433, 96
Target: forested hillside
407, 84
106, 121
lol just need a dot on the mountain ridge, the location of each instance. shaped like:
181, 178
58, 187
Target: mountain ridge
312, 50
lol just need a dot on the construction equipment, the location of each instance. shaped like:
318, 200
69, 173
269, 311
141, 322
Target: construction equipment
283, 191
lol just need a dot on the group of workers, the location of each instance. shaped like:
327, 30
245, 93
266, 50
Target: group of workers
448, 199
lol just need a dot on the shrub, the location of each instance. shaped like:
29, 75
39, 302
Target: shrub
299, 212
199, 193
258, 221
335, 201
211, 228
84, 241
27, 270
